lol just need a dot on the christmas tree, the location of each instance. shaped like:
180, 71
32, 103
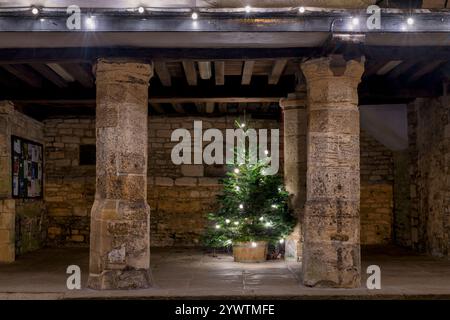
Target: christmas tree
252, 206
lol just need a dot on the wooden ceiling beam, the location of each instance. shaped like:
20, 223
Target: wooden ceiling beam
178, 107
219, 72
204, 69
247, 72
49, 74
277, 71
190, 72
25, 74
84, 77
163, 73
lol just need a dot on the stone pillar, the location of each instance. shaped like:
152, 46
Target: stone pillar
7, 204
294, 120
120, 216
331, 249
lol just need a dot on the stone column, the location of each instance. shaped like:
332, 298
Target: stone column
120, 216
331, 250
294, 120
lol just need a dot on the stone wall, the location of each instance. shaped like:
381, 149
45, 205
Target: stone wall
429, 133
376, 191
180, 196
69, 186
22, 221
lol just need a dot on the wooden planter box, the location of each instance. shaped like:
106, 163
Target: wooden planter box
250, 251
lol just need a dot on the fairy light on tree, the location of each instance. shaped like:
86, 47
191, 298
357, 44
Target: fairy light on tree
255, 203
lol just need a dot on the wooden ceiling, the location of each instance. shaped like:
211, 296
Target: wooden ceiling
210, 87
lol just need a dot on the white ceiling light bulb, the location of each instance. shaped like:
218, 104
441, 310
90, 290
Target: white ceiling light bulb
410, 21
248, 9
90, 22
194, 16
141, 10
355, 21
35, 11
301, 9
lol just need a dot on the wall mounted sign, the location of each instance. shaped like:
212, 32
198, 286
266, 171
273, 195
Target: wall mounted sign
27, 168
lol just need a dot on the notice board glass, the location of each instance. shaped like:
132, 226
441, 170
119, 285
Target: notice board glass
27, 168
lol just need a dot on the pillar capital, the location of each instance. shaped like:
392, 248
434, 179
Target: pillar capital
333, 66
293, 103
122, 70
6, 107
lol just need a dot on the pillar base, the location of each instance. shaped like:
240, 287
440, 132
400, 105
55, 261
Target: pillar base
121, 279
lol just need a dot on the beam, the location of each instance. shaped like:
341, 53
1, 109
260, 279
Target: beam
163, 73
178, 107
277, 71
247, 72
81, 75
402, 68
388, 67
25, 74
424, 68
210, 107
157, 107
61, 72
204, 69
190, 72
219, 71
223, 107
49, 74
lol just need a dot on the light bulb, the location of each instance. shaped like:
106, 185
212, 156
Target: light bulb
274, 206
281, 240
236, 170
35, 11
243, 125
217, 226
410, 21
355, 21
227, 221
194, 16
141, 10
241, 206
268, 224
248, 9
90, 22
266, 152
261, 219
237, 188
301, 9
254, 244
236, 223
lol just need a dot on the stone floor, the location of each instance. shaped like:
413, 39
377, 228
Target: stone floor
194, 274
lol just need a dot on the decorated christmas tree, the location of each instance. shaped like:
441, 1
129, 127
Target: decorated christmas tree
252, 207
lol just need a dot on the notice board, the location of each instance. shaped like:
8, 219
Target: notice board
27, 168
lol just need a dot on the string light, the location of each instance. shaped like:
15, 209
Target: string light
236, 170
266, 152
281, 241
236, 223
227, 221
268, 224
237, 188
217, 226
194, 16
254, 244
90, 22
301, 9
261, 219
243, 125
274, 206
241, 206
35, 11
141, 10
